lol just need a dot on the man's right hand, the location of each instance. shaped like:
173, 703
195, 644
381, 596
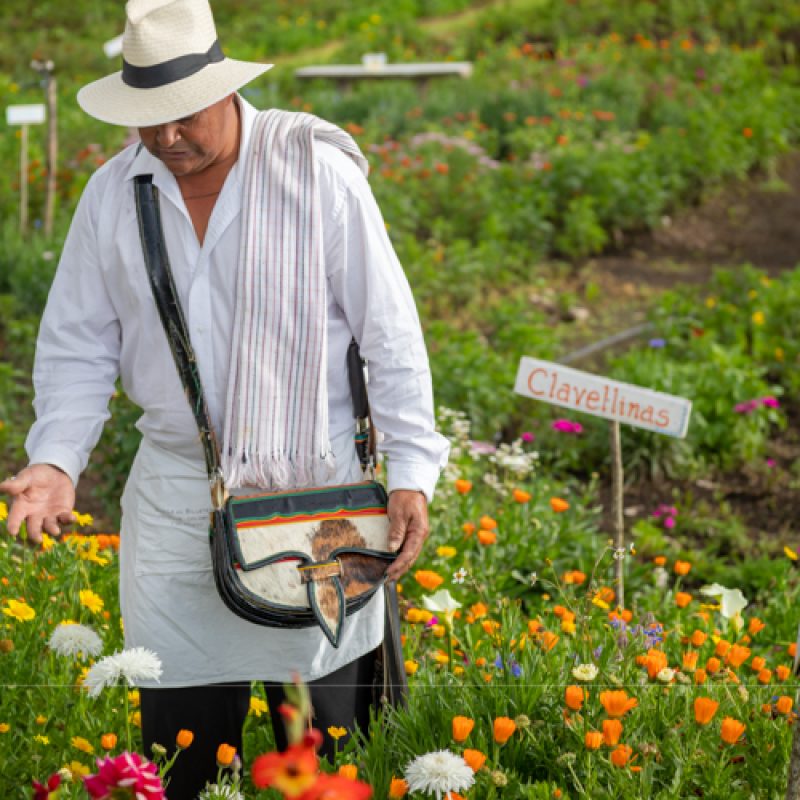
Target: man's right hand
43, 497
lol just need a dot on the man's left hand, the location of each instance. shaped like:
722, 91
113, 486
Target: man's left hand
408, 529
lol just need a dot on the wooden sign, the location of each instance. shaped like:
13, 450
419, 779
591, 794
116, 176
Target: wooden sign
25, 115
602, 397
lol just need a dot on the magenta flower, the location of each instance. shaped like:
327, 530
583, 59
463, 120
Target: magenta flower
42, 792
770, 402
127, 771
567, 426
669, 522
527, 437
746, 407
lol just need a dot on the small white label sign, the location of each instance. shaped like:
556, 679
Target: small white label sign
594, 394
25, 115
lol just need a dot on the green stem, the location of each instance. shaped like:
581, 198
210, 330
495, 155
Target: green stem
126, 707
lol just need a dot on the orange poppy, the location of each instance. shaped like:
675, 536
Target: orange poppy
713, 665
755, 626
682, 567
655, 661
704, 710
225, 755
574, 697
463, 486
617, 703
698, 638
184, 738
349, 771
731, 730
700, 676
487, 523
612, 731
558, 504
682, 599
765, 676
690, 659
474, 758
521, 496
504, 727
108, 741
782, 672
758, 663
479, 610
660, 561
549, 640
462, 727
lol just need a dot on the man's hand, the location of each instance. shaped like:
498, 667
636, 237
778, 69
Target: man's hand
42, 497
408, 526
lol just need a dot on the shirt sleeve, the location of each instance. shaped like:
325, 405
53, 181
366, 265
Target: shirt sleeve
77, 352
371, 288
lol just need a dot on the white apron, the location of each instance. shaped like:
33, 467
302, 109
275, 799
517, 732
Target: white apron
169, 601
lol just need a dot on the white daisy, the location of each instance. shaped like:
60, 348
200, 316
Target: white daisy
585, 672
73, 639
220, 792
438, 773
133, 665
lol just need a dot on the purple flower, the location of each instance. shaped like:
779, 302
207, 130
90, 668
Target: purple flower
657, 343
770, 462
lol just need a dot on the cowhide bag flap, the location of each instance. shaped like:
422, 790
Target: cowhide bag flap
286, 559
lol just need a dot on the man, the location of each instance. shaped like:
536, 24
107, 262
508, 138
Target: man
101, 322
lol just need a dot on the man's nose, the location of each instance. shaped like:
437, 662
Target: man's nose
168, 134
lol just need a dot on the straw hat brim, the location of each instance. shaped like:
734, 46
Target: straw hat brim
111, 100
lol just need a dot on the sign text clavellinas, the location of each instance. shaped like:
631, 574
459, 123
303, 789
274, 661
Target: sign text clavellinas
602, 397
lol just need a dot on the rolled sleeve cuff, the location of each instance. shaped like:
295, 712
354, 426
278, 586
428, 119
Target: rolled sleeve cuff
412, 475
58, 456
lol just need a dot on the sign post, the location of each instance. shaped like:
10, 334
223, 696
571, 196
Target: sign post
620, 403
45, 69
25, 116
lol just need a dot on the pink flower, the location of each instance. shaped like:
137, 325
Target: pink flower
527, 437
128, 771
770, 402
747, 407
669, 522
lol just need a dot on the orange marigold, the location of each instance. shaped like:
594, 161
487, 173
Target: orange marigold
690, 659
521, 496
723, 645
612, 731
682, 567
617, 703
755, 626
108, 741
713, 665
783, 705
758, 663
704, 710
462, 727
682, 599
487, 537
504, 727
574, 697
765, 676
700, 676
698, 638
593, 740
463, 486
487, 523
428, 579
731, 730
184, 738
225, 755
737, 655
558, 504
398, 788
655, 661
621, 755
474, 758
782, 672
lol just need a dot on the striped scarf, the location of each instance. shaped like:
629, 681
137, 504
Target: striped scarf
276, 414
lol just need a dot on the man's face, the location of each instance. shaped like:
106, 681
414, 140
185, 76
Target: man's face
189, 145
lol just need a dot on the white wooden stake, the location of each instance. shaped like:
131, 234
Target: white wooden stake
23, 180
618, 478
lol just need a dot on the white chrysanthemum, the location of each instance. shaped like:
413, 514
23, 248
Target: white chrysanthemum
665, 675
217, 792
585, 672
73, 639
133, 665
439, 772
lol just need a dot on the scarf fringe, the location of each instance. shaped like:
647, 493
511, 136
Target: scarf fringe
279, 471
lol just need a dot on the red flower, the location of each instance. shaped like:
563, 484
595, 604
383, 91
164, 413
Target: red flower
41, 792
292, 772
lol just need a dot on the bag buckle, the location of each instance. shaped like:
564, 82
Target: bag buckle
219, 494
320, 570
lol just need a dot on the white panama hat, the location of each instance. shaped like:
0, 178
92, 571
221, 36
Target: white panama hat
172, 66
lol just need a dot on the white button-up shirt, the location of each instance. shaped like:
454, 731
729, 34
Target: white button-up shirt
101, 322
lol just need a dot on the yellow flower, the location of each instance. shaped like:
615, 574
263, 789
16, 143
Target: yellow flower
779, 354
41, 720
337, 733
445, 551
758, 318
133, 698
136, 719
790, 553
79, 743
88, 549
19, 611
41, 739
711, 302
3, 512
47, 542
83, 519
91, 601
411, 666
258, 706
4, 727
77, 769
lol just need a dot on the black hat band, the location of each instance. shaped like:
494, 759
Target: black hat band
175, 69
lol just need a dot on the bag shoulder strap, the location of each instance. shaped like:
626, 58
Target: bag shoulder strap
170, 312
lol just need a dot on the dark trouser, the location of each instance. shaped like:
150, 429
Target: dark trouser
216, 714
